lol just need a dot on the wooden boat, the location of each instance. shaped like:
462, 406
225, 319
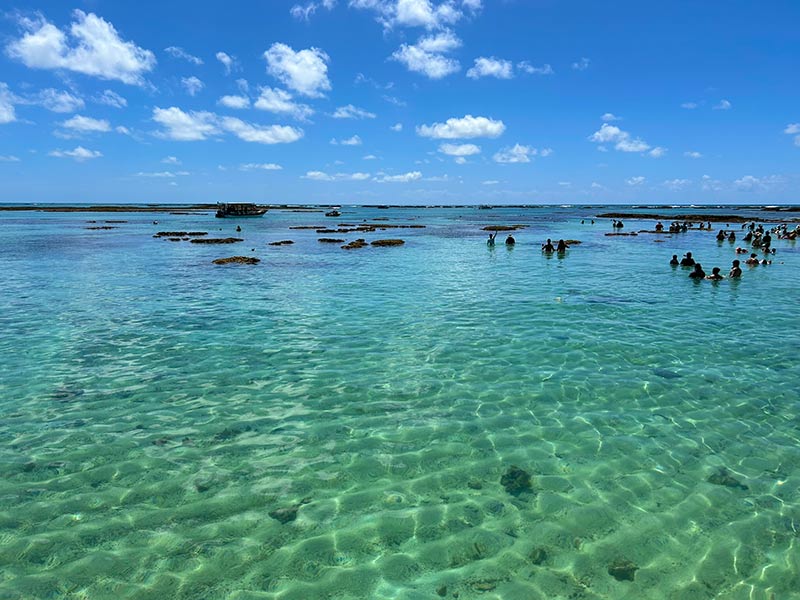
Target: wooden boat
238, 209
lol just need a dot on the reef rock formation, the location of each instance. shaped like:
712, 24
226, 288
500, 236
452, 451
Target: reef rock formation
238, 260
382, 243
229, 240
281, 243
516, 481
331, 240
622, 570
359, 243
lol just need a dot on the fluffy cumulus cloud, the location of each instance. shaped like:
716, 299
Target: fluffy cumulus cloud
178, 52
79, 154
791, 129
351, 141
465, 127
427, 56
261, 134
608, 117
723, 105
634, 181
111, 98
516, 154
237, 102
622, 140
185, 126
397, 127
582, 64
281, 102
527, 67
7, 113
57, 101
676, 184
227, 61
491, 67
460, 150
749, 183
418, 13
83, 124
657, 152
192, 85
352, 112
402, 178
693, 154
304, 71
91, 46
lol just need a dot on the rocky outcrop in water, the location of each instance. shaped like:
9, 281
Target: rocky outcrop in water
330, 240
385, 243
238, 260
354, 245
503, 227
282, 243
723, 477
229, 240
622, 570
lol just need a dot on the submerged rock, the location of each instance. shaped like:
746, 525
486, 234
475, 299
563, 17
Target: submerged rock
382, 243
516, 481
503, 227
359, 243
229, 240
723, 477
622, 570
239, 260
281, 243
287, 514
330, 240
538, 555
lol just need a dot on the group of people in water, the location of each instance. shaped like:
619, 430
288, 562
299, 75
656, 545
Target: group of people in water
547, 247
698, 272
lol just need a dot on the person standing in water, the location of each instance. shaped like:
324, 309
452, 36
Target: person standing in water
736, 270
510, 241
490, 241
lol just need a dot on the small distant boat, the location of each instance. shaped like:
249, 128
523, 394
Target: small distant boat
238, 209
333, 213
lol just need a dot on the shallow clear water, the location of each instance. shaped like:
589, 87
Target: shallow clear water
155, 409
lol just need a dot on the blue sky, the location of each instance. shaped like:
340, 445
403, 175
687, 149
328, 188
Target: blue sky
400, 101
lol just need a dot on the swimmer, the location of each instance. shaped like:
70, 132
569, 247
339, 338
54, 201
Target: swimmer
698, 272
510, 241
715, 276
659, 226
731, 237
548, 247
674, 262
721, 235
238, 228
736, 270
490, 241
687, 261
562, 246
753, 260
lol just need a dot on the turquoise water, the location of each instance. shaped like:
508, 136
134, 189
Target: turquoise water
336, 424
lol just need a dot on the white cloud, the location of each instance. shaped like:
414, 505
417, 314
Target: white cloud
80, 154
92, 47
748, 183
304, 13
709, 184
369, 157
791, 129
491, 67
322, 176
622, 140
58, 101
177, 52
490, 182
581, 65
635, 180
692, 154
122, 130
280, 102
237, 102
227, 61
170, 160
608, 117
260, 167
397, 127
192, 84
186, 127
597, 186
305, 71
404, 178
162, 174
427, 55
689, 105
7, 113
351, 141
261, 134
527, 67
676, 184
86, 124
8, 158
657, 152
110, 98
515, 154
545, 152
352, 112
418, 13
459, 149
465, 127
723, 105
